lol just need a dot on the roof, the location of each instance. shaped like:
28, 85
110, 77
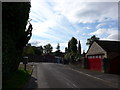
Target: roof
109, 46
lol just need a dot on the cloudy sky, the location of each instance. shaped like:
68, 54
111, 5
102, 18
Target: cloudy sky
57, 21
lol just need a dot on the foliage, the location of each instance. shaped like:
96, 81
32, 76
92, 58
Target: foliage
66, 49
91, 40
69, 50
72, 45
78, 57
72, 57
79, 47
38, 50
86, 64
14, 36
48, 49
58, 47
58, 52
33, 50
28, 50
71, 53
67, 56
17, 79
106, 63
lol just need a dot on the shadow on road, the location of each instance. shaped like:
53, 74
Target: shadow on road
32, 84
119, 82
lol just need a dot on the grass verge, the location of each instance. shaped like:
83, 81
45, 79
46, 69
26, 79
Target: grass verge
17, 79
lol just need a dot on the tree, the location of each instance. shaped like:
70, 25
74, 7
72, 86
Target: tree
72, 50
73, 45
58, 47
66, 49
58, 52
67, 57
91, 40
48, 48
38, 50
69, 49
28, 50
79, 48
14, 34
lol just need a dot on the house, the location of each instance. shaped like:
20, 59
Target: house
104, 56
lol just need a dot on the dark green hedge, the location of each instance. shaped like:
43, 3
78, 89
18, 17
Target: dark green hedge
15, 16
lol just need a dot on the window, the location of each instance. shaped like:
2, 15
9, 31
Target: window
96, 56
100, 56
90, 57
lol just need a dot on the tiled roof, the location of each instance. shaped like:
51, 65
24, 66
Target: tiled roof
109, 46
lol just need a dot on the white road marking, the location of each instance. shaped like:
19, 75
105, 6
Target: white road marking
69, 83
93, 77
74, 85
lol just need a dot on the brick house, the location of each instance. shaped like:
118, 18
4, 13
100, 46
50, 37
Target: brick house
104, 56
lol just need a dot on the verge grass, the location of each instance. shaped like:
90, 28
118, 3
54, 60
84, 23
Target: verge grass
18, 79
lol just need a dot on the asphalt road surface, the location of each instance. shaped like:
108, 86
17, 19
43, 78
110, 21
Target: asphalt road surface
52, 75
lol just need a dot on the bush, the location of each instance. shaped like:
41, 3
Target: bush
17, 80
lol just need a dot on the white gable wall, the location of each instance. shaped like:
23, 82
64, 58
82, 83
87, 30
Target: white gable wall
96, 49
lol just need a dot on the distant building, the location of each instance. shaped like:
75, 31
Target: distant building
58, 59
104, 56
48, 58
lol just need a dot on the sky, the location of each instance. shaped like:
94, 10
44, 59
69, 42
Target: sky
57, 21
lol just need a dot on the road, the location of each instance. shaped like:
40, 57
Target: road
52, 75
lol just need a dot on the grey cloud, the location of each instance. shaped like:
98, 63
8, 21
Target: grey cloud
113, 37
35, 43
98, 11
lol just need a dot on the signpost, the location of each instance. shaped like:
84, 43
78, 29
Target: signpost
25, 61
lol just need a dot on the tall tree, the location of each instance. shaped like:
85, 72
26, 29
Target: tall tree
91, 40
66, 49
14, 34
58, 47
48, 48
58, 52
69, 50
73, 45
72, 50
79, 47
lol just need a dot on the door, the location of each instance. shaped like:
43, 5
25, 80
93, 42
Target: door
94, 62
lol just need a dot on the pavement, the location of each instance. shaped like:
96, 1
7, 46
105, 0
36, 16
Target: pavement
51, 75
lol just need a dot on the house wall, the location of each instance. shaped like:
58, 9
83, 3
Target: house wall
108, 65
115, 65
111, 55
114, 58
95, 49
